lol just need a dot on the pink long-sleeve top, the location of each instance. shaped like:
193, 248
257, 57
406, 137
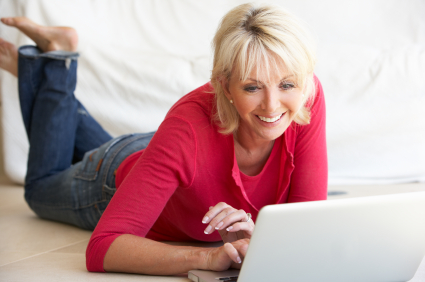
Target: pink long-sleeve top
165, 190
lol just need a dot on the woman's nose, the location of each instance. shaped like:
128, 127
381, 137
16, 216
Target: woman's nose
270, 101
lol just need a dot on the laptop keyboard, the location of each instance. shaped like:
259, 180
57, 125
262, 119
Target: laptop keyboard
228, 278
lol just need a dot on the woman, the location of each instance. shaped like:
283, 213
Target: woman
254, 135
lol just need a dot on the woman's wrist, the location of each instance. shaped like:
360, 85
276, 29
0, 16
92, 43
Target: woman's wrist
201, 258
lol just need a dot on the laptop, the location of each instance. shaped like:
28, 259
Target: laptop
376, 238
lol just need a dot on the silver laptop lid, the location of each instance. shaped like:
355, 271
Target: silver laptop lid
378, 238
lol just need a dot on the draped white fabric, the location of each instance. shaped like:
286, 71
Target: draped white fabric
139, 57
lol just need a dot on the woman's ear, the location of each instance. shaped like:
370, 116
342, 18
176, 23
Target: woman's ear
225, 86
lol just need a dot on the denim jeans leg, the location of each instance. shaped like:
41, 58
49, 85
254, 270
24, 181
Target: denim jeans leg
57, 125
90, 134
53, 118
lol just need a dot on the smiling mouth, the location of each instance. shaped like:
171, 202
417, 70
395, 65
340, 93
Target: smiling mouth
270, 120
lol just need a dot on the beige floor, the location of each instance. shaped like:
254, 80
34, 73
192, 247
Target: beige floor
32, 249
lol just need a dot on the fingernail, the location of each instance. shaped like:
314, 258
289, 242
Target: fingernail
239, 259
229, 228
208, 229
219, 225
205, 219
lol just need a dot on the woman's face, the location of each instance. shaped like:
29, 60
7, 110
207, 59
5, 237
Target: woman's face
266, 104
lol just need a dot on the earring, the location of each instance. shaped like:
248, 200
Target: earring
231, 101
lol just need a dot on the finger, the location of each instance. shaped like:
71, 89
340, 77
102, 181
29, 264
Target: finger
231, 219
242, 247
216, 221
232, 253
242, 226
213, 211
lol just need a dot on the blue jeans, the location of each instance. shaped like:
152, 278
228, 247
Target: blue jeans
72, 160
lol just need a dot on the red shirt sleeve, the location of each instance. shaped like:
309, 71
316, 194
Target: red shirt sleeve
309, 180
166, 164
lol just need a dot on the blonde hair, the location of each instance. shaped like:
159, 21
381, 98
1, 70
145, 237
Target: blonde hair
260, 37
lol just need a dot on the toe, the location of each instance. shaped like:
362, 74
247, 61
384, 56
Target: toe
8, 21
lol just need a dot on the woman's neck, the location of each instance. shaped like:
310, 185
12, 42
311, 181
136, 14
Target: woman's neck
251, 155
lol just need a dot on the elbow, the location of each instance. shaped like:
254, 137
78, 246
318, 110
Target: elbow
94, 256
90, 265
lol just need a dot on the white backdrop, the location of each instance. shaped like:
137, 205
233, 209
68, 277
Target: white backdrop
139, 57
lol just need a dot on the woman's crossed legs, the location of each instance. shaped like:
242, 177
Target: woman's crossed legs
72, 159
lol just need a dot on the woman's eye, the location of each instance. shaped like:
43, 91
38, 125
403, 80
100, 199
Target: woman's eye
251, 88
287, 86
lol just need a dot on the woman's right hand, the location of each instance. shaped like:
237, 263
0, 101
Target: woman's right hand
232, 224
230, 255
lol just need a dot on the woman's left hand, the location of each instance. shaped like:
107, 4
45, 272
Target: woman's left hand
232, 224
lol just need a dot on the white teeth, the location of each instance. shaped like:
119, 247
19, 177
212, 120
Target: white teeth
270, 119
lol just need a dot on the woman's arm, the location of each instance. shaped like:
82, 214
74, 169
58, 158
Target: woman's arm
140, 199
118, 243
128, 252
133, 254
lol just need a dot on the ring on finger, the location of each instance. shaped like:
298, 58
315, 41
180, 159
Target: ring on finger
249, 217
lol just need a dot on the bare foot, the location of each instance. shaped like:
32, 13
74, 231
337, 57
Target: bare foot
8, 57
47, 38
